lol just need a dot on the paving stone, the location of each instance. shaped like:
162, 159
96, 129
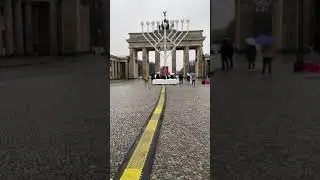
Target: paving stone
184, 140
130, 106
53, 121
265, 128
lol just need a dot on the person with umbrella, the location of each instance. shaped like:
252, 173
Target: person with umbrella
193, 78
251, 53
268, 53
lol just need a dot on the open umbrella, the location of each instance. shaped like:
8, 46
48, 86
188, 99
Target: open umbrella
251, 41
265, 40
193, 74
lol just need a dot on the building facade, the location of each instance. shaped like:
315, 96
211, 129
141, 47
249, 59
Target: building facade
280, 21
119, 67
193, 41
45, 27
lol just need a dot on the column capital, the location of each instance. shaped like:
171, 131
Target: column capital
134, 50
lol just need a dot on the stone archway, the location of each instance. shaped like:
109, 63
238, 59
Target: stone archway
285, 22
194, 40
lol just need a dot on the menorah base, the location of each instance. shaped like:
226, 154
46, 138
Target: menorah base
165, 81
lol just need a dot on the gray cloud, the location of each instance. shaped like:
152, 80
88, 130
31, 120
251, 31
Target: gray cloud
127, 14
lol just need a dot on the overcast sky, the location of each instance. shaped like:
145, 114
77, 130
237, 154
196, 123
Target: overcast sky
126, 16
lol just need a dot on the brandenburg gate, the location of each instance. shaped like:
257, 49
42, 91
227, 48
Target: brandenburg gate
192, 41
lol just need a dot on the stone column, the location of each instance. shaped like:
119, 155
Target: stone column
53, 27
19, 28
119, 70
237, 24
1, 43
145, 68
2, 28
78, 26
205, 72
199, 62
28, 27
112, 71
132, 63
136, 66
110, 67
186, 61
277, 25
126, 70
174, 62
9, 26
116, 70
157, 61
148, 64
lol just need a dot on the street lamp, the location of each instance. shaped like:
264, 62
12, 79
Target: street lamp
167, 36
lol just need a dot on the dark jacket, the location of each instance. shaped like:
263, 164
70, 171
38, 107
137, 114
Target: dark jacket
226, 49
251, 51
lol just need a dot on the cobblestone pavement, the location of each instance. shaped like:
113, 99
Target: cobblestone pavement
183, 146
53, 122
130, 106
265, 128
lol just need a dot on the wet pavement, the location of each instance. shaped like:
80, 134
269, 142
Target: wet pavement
184, 136
131, 103
53, 121
265, 128
183, 147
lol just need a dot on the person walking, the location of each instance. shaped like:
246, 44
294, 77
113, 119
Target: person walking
251, 53
227, 51
145, 79
268, 55
180, 79
230, 51
193, 80
224, 56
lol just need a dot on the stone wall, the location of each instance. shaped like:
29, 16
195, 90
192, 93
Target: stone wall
69, 26
75, 27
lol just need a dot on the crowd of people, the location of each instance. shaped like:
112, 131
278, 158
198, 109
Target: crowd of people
268, 54
189, 78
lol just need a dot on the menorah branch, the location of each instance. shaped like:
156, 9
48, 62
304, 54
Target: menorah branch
160, 40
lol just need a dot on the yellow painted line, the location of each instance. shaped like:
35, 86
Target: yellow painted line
133, 170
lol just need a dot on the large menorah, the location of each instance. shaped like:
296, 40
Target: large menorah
160, 39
